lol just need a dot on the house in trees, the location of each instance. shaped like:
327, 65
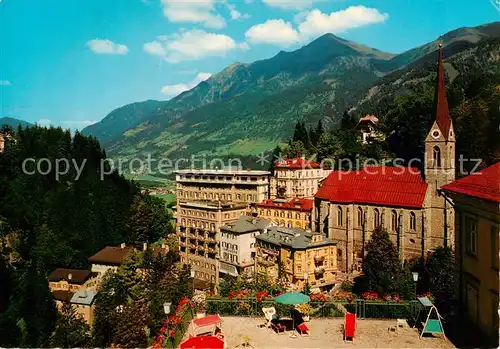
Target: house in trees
2, 142
83, 303
71, 280
476, 201
109, 258
370, 129
351, 204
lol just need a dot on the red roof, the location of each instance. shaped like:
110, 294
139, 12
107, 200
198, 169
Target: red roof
442, 112
207, 321
296, 163
294, 204
371, 118
203, 342
484, 184
375, 185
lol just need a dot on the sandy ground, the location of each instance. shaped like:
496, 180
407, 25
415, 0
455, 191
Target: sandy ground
327, 333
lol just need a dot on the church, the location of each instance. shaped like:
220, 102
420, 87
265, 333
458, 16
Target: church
349, 205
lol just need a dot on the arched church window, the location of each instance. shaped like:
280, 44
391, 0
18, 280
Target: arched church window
413, 221
360, 217
339, 216
394, 220
436, 157
376, 218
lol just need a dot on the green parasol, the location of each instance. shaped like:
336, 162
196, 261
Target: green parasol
293, 298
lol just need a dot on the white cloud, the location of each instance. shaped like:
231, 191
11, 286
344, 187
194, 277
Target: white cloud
155, 48
235, 14
192, 45
313, 24
273, 31
5, 82
290, 4
171, 91
193, 11
105, 46
318, 23
44, 122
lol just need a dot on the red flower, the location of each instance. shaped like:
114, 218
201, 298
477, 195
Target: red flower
171, 333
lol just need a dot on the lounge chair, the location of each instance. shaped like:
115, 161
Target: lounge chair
270, 314
303, 330
278, 327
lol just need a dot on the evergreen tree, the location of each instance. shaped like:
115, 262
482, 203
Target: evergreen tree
71, 330
295, 149
441, 273
149, 220
381, 266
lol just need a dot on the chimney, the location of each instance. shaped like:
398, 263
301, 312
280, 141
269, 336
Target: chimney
122, 245
70, 276
145, 246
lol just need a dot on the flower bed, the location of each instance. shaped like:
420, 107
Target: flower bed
174, 326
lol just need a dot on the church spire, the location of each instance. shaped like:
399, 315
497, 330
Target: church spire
442, 112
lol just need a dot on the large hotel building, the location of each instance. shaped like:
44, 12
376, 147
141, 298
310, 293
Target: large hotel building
207, 200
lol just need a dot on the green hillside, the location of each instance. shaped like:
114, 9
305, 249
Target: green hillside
13, 123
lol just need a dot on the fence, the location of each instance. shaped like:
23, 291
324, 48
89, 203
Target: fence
186, 315
362, 308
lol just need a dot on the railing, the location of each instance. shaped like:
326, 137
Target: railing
362, 308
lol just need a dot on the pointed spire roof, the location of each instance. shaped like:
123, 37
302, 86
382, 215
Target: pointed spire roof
442, 112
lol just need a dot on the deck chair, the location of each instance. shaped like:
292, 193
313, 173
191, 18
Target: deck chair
349, 326
303, 329
270, 314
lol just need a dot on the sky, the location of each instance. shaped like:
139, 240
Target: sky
71, 62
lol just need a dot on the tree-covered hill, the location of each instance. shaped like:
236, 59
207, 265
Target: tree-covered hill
404, 101
48, 222
13, 123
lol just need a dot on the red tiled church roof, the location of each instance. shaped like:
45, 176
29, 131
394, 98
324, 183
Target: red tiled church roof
294, 204
442, 112
375, 185
296, 163
484, 184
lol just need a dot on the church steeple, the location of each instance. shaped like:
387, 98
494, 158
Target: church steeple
442, 112
440, 141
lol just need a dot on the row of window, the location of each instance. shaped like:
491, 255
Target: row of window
200, 264
203, 275
230, 257
378, 218
198, 213
230, 246
279, 213
300, 173
198, 224
215, 196
220, 178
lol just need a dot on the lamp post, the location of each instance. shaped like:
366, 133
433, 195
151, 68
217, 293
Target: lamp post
415, 279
